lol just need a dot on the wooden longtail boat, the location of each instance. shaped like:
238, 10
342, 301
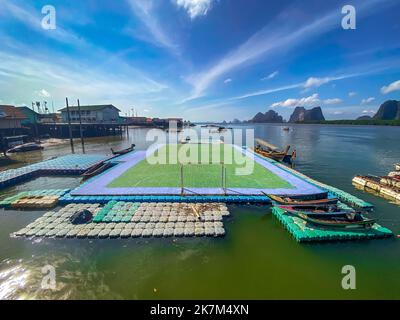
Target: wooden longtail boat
275, 155
31, 146
289, 201
317, 211
340, 222
96, 169
270, 151
123, 151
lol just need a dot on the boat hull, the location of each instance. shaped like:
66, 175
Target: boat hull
282, 201
336, 223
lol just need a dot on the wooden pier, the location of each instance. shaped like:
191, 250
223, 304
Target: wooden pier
89, 129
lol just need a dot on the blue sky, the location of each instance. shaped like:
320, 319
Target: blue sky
202, 59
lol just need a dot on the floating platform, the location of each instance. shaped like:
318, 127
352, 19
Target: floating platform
332, 191
74, 164
383, 187
304, 232
37, 199
137, 174
68, 198
132, 220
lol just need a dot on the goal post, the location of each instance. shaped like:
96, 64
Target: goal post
202, 176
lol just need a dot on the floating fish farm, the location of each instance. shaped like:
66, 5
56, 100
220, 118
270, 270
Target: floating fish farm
132, 220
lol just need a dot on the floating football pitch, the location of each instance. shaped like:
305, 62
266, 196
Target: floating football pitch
202, 166
202, 169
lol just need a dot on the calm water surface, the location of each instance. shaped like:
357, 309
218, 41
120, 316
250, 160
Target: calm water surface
257, 259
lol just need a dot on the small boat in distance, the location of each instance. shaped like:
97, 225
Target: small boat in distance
286, 129
285, 200
123, 151
397, 166
31, 146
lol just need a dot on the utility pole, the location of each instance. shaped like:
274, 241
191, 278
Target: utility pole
80, 127
35, 119
69, 127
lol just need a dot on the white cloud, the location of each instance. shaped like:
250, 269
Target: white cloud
195, 8
266, 41
316, 82
228, 80
266, 91
22, 75
32, 18
310, 101
310, 83
270, 76
394, 86
352, 94
302, 102
333, 101
43, 93
368, 111
144, 10
283, 33
368, 100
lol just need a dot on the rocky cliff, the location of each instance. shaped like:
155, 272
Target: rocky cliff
301, 114
268, 117
389, 110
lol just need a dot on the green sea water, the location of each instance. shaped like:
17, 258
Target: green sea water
256, 260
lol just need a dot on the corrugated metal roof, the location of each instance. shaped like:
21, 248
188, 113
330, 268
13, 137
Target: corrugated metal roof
90, 107
11, 112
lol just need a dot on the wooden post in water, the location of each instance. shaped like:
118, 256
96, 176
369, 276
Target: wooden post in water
80, 127
69, 127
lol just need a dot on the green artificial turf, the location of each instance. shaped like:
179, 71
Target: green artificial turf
198, 175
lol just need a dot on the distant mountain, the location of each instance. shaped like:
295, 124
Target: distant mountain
268, 117
389, 110
364, 118
301, 114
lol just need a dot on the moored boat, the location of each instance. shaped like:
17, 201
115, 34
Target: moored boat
318, 210
123, 151
268, 150
285, 200
354, 221
397, 166
31, 146
96, 169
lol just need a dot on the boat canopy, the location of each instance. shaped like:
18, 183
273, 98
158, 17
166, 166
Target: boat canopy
265, 144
